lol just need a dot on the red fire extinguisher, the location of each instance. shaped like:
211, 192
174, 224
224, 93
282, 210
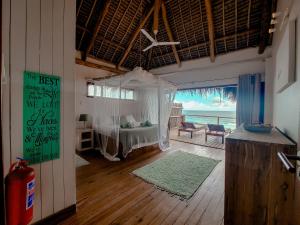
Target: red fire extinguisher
19, 187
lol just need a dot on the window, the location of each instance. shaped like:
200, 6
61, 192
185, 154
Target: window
98, 92
129, 94
91, 89
109, 92
123, 94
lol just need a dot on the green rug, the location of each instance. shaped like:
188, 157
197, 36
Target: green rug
179, 173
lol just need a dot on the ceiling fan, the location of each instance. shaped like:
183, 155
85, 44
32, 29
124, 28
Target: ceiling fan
155, 42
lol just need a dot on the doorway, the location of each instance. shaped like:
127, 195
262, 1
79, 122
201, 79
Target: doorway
2, 212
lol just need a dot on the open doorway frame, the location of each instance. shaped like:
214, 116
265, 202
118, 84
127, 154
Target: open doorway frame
2, 212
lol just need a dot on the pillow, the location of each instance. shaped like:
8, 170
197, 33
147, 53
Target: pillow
130, 119
147, 123
123, 120
188, 125
127, 125
136, 124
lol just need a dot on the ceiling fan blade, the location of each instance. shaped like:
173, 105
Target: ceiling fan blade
168, 43
148, 35
146, 49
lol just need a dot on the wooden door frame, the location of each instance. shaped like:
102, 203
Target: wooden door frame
2, 210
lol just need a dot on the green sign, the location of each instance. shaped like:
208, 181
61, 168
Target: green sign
41, 117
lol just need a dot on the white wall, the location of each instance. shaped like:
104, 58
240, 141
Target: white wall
286, 107
268, 114
84, 104
39, 35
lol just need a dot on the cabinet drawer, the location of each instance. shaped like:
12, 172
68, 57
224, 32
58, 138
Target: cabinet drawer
86, 144
86, 135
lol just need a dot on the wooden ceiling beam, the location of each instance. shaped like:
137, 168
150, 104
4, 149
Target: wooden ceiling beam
106, 77
157, 4
224, 29
97, 26
135, 34
235, 24
128, 28
87, 22
149, 58
101, 38
248, 20
112, 43
211, 32
83, 28
79, 7
98, 66
202, 27
115, 11
207, 42
265, 24
169, 32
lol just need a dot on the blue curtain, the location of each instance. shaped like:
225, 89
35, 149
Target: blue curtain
250, 99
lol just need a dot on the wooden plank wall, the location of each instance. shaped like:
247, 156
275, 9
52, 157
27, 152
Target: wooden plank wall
39, 35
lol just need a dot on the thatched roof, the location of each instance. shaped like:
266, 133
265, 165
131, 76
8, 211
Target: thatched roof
227, 91
109, 29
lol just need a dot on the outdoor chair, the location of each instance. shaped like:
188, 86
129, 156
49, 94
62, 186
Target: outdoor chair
189, 127
215, 130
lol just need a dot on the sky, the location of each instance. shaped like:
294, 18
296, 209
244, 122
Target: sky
209, 102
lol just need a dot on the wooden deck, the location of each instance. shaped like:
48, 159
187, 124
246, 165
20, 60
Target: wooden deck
198, 139
107, 192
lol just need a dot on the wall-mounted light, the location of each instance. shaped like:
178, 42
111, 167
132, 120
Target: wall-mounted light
275, 14
273, 21
272, 30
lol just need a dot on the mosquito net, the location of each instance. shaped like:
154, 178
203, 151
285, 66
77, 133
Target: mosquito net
132, 111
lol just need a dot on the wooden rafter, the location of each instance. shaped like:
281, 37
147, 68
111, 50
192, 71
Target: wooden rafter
79, 7
101, 38
265, 24
211, 33
83, 28
202, 27
248, 21
106, 77
120, 22
157, 4
135, 34
87, 22
224, 30
192, 21
235, 25
98, 25
109, 24
105, 62
112, 43
183, 25
253, 31
169, 32
97, 66
149, 58
132, 21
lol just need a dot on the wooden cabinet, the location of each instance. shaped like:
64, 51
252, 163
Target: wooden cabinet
258, 188
85, 139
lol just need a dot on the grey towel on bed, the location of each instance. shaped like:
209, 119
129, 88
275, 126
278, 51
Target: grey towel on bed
130, 137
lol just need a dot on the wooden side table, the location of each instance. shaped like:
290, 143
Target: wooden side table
85, 139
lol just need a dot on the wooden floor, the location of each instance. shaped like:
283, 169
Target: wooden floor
107, 192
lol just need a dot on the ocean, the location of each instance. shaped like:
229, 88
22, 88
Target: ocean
227, 122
